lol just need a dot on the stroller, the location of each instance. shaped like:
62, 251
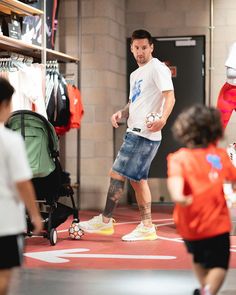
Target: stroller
49, 181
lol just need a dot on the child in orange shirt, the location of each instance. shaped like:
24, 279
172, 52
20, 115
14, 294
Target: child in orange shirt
196, 174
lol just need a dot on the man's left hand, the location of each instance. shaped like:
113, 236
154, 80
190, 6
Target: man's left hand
156, 125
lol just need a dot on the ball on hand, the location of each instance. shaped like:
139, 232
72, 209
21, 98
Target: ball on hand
151, 117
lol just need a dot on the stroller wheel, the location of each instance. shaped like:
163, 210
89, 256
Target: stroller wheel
53, 236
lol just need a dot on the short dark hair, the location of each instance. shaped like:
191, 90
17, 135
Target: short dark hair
198, 126
141, 34
6, 90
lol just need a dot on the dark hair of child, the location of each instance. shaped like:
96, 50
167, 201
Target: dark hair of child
6, 90
198, 126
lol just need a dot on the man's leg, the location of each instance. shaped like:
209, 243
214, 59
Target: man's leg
103, 224
5, 276
114, 194
144, 200
145, 231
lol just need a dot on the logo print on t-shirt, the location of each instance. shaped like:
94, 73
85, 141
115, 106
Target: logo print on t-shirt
136, 90
215, 163
214, 160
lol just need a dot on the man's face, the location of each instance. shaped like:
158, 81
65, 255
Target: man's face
142, 51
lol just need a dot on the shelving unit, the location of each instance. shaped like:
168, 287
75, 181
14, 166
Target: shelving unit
8, 6
18, 46
61, 57
40, 54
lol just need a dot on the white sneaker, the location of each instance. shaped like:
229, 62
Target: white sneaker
97, 226
141, 233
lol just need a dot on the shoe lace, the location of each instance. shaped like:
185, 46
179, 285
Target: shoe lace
141, 228
98, 218
95, 219
138, 228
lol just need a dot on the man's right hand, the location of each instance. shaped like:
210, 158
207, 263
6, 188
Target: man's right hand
115, 119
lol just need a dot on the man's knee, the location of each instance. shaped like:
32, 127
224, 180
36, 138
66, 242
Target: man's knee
139, 184
116, 176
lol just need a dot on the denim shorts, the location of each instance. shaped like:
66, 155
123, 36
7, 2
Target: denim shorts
135, 156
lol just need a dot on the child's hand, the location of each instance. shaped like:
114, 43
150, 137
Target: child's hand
38, 225
185, 200
234, 186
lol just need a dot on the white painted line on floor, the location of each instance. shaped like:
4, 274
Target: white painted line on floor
163, 224
179, 240
56, 256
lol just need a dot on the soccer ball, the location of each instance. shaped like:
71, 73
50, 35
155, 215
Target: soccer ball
151, 117
231, 150
75, 232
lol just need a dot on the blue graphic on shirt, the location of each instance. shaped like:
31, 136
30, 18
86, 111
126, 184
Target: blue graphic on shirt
214, 160
136, 90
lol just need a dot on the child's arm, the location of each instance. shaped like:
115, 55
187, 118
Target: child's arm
26, 193
176, 187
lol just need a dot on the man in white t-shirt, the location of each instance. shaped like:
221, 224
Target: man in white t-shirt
16, 193
226, 102
151, 91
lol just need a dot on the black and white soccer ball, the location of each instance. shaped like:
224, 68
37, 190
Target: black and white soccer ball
231, 150
75, 233
152, 117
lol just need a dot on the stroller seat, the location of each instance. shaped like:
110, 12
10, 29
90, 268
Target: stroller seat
49, 181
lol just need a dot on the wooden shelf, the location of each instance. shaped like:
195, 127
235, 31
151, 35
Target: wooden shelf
60, 57
8, 6
18, 46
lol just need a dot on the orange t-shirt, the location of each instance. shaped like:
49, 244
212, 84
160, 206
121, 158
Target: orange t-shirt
204, 171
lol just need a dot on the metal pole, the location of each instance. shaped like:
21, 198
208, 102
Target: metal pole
211, 65
44, 45
79, 39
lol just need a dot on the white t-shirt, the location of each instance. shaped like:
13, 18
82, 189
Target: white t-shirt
146, 86
14, 168
28, 83
231, 61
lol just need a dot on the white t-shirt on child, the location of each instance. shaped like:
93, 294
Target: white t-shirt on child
14, 168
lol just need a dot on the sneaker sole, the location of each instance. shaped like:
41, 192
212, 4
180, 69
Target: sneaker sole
148, 238
105, 232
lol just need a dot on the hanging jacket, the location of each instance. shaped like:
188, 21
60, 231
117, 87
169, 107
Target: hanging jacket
58, 108
76, 110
